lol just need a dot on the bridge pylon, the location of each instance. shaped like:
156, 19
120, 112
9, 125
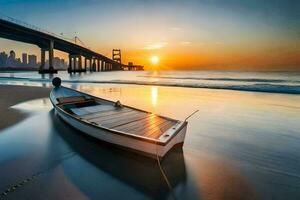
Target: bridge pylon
51, 69
117, 57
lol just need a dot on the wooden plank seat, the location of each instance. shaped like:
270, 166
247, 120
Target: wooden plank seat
72, 99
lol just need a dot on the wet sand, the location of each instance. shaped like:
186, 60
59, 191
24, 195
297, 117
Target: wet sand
241, 145
11, 95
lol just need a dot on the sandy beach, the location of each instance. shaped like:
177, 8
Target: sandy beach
11, 95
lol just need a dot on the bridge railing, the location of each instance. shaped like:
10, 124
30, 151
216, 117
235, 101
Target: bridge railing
33, 27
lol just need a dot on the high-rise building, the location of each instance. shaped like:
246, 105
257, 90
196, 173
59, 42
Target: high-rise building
11, 60
32, 61
18, 62
24, 59
3, 59
12, 55
63, 63
56, 62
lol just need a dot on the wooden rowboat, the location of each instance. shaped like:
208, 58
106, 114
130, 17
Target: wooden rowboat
109, 121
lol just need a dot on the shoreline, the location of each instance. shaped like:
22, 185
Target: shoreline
261, 87
12, 95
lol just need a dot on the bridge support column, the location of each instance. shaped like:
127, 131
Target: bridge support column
43, 58
51, 54
113, 67
70, 64
51, 69
85, 63
91, 65
102, 65
75, 63
79, 63
98, 65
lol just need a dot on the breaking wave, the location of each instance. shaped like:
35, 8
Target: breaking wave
251, 80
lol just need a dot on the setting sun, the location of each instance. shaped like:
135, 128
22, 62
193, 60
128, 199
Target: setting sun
154, 60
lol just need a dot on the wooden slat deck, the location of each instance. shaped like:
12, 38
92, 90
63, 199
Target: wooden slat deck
119, 120
92, 109
106, 113
115, 116
157, 131
152, 127
138, 126
131, 121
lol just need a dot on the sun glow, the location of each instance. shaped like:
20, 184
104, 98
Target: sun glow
154, 91
154, 60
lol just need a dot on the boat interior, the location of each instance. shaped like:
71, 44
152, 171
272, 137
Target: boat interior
115, 116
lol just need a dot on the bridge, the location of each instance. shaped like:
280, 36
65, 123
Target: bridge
47, 42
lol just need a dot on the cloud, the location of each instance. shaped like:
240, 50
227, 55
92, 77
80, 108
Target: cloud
155, 46
185, 43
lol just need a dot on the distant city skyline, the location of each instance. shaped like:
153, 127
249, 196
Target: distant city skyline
28, 61
193, 34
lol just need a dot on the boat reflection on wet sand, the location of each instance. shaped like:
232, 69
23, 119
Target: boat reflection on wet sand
137, 171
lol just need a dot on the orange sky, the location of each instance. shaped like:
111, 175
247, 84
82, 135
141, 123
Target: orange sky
185, 35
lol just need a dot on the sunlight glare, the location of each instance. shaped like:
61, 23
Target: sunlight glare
154, 91
154, 60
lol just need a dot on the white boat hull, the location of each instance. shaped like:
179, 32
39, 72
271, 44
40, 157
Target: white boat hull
145, 147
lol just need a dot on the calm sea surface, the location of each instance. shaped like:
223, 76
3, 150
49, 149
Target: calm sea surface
277, 82
244, 143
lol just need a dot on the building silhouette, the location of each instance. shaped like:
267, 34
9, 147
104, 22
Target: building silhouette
3, 59
32, 61
24, 59
11, 60
26, 62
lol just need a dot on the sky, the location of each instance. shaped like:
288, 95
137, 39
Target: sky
184, 35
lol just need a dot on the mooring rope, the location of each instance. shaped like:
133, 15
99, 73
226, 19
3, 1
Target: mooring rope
162, 170
164, 175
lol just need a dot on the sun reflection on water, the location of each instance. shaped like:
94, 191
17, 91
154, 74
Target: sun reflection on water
154, 91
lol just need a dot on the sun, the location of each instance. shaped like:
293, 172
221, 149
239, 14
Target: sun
154, 60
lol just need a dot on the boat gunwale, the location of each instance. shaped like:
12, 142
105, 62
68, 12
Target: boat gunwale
138, 137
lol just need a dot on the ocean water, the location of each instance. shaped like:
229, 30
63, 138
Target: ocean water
275, 82
242, 144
